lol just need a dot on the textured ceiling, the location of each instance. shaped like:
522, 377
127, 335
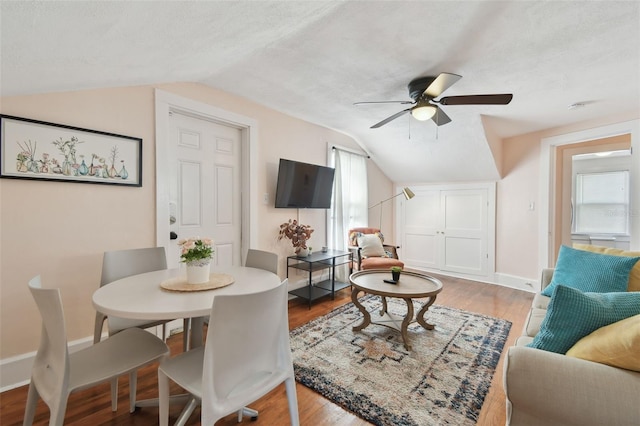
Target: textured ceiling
313, 60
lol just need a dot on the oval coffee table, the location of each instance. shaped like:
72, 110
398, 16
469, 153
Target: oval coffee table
411, 285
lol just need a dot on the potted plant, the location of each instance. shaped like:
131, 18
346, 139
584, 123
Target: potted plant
298, 234
395, 273
196, 253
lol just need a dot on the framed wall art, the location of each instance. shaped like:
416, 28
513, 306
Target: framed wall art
32, 149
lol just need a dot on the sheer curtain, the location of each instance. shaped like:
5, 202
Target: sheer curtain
349, 206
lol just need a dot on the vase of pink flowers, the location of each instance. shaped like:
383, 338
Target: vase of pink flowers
197, 253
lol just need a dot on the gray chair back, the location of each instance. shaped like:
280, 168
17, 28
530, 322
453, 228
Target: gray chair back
124, 263
262, 260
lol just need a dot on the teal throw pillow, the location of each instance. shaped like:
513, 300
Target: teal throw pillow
592, 272
572, 314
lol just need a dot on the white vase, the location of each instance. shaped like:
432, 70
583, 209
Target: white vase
198, 271
302, 252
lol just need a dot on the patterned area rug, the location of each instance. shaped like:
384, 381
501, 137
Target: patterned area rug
442, 381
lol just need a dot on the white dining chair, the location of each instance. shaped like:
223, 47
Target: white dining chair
124, 263
119, 264
56, 373
267, 261
246, 355
263, 260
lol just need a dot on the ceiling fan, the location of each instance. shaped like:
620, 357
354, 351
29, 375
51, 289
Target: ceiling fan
424, 90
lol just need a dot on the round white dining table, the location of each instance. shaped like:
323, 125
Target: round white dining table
141, 296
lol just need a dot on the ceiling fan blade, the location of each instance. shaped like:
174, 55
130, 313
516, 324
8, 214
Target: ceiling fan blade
388, 119
383, 102
440, 117
441, 83
502, 99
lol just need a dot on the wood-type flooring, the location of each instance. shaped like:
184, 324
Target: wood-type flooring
92, 407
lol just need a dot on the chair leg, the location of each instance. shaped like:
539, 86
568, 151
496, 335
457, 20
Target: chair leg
114, 394
292, 399
30, 408
186, 333
56, 411
133, 388
163, 398
186, 412
249, 412
97, 327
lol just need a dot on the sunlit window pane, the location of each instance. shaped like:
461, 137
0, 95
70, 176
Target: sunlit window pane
602, 203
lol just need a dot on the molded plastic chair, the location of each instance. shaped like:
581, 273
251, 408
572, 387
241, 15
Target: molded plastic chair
269, 262
56, 373
124, 263
245, 356
119, 264
263, 260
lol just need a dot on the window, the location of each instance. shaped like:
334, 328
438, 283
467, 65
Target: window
602, 203
350, 196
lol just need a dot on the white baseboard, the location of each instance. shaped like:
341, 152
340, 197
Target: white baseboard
520, 283
505, 280
16, 371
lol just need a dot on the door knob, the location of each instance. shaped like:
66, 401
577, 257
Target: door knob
173, 235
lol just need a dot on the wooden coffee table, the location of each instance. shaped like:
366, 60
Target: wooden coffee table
411, 285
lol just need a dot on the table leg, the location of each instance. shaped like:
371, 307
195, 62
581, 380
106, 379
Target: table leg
405, 323
384, 305
420, 316
196, 339
367, 317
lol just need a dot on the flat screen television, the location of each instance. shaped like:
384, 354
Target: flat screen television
303, 185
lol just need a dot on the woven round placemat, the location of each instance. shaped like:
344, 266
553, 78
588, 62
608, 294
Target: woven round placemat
180, 283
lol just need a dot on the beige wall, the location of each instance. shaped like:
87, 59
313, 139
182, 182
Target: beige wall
517, 227
60, 230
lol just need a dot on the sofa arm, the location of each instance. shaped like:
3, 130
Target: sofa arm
548, 388
545, 278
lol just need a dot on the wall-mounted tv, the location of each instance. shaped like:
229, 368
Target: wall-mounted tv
303, 185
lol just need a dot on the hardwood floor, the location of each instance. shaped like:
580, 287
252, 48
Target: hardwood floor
92, 406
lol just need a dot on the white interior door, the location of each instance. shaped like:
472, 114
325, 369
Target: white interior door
448, 229
421, 221
464, 231
205, 187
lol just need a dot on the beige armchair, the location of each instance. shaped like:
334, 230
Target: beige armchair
370, 251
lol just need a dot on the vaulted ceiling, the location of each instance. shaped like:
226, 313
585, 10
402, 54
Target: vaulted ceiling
314, 59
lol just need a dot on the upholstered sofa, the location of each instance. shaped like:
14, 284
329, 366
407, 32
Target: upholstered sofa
549, 388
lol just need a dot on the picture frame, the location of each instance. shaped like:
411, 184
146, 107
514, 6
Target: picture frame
38, 150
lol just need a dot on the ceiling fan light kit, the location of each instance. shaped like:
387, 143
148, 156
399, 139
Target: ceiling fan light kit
425, 90
423, 112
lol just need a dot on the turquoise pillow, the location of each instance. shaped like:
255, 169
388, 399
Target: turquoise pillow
592, 272
572, 314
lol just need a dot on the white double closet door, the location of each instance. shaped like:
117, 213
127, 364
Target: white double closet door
205, 185
449, 228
